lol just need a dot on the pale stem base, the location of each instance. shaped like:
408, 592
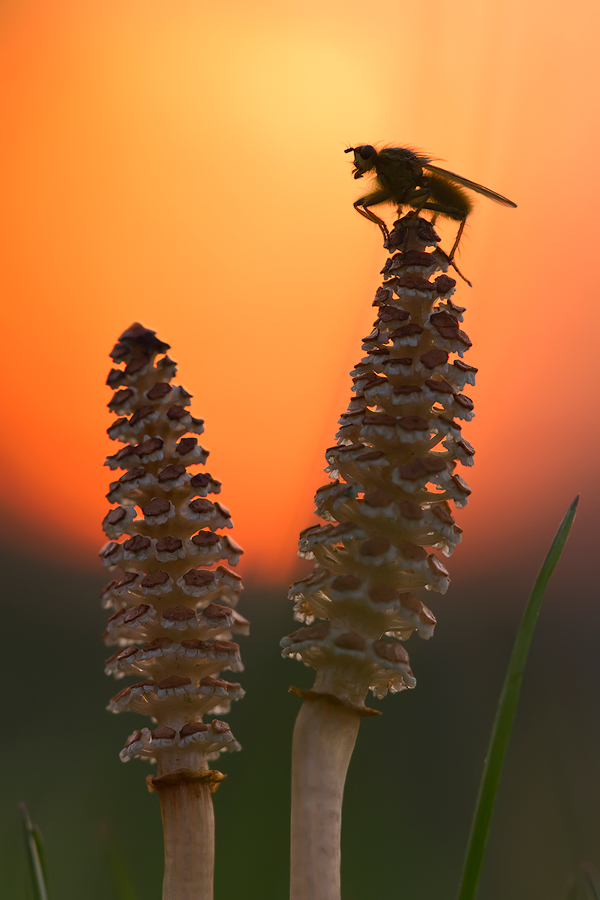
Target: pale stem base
324, 739
189, 834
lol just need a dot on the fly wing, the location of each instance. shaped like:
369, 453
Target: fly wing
472, 185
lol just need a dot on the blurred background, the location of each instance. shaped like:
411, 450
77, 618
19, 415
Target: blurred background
182, 165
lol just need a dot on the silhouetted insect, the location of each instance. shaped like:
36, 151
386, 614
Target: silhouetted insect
405, 178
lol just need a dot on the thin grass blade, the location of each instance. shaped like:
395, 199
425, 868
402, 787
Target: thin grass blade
505, 714
35, 855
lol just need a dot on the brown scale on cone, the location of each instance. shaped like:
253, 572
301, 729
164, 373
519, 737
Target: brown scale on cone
387, 506
172, 595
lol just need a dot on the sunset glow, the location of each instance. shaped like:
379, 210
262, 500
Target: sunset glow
182, 165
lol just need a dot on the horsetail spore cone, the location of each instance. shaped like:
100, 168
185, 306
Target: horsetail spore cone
172, 602
386, 510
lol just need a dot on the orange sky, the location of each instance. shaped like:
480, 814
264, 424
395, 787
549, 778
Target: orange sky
181, 164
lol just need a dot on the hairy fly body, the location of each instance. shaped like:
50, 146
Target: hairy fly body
405, 178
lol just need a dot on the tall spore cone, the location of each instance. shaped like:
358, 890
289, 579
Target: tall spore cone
386, 509
172, 602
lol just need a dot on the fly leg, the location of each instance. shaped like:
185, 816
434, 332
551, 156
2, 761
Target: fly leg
362, 206
459, 216
457, 238
451, 262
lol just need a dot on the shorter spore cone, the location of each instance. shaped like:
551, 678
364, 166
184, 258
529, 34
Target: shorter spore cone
173, 595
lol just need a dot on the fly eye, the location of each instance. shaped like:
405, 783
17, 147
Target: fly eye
366, 152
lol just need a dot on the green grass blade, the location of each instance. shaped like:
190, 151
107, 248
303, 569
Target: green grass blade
35, 855
505, 714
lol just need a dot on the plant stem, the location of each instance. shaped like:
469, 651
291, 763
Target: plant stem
324, 739
189, 835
